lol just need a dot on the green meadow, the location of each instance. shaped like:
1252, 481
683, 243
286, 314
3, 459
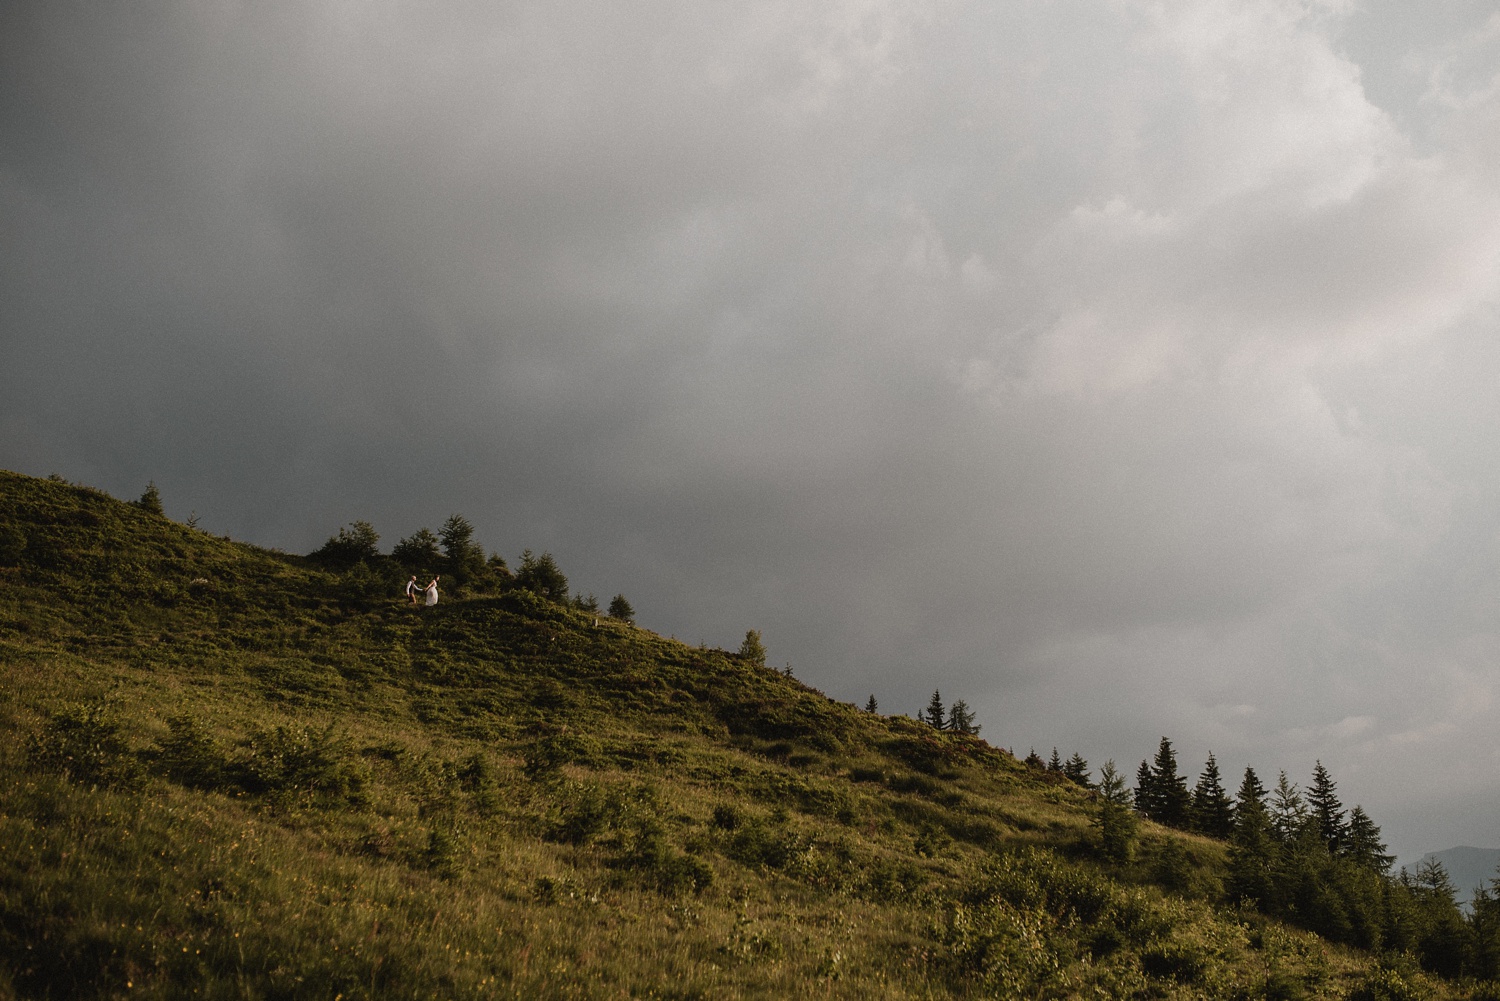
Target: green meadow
228, 772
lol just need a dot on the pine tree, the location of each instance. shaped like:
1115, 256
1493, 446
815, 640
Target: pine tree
463, 556
1054, 763
1327, 811
1173, 800
1484, 931
1252, 847
151, 500
1112, 785
1116, 824
620, 609
752, 649
960, 719
1288, 812
541, 575
1441, 932
935, 715
1212, 813
1077, 769
1431, 880
1146, 799
1251, 795
1310, 889
418, 551
872, 706
1034, 760
1363, 845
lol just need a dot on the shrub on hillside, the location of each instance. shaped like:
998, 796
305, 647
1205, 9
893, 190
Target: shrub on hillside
190, 756
355, 542
586, 812
1171, 868
657, 863
911, 782
1028, 907
1386, 984
1184, 962
302, 762
418, 551
477, 778
441, 854
757, 842
546, 756
931, 841
1000, 949
524, 602
361, 583
890, 879
1486, 990
12, 545
83, 742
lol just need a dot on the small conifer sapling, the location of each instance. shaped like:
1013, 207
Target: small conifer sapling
935, 715
752, 649
1116, 824
150, 501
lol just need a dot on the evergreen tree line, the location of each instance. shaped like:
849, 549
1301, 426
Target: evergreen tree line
454, 553
1299, 855
1075, 769
957, 718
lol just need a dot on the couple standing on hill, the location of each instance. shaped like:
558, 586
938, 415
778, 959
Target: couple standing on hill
413, 589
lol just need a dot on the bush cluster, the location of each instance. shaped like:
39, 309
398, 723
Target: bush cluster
84, 743
624, 821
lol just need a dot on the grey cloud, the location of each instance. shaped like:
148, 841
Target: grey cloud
1121, 370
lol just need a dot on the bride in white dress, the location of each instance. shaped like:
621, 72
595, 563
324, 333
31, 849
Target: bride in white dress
431, 591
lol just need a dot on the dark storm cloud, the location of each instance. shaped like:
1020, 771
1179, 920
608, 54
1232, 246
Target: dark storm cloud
1122, 371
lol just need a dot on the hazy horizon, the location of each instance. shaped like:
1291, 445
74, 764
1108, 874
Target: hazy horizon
1124, 371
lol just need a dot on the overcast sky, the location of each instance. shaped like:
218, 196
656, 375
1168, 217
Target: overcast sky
1123, 368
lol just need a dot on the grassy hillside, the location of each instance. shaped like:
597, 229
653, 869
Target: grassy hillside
230, 772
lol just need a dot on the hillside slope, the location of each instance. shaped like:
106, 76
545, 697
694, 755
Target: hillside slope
230, 772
